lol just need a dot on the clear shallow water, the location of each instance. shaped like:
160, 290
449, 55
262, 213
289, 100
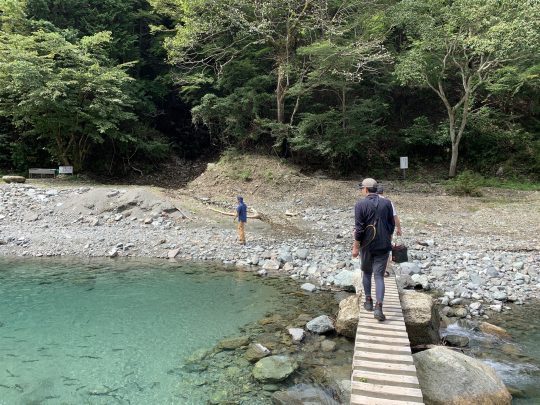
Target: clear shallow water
116, 332
517, 360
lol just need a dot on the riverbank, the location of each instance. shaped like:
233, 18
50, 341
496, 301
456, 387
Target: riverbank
481, 253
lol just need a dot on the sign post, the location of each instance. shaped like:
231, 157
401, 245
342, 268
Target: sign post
65, 169
404, 164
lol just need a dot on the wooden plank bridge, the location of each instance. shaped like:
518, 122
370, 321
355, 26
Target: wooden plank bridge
383, 367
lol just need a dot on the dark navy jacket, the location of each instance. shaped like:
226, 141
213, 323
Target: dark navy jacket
365, 214
241, 210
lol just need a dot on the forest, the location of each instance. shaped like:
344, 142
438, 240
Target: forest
122, 86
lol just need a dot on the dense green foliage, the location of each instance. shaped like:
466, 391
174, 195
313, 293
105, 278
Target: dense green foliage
341, 84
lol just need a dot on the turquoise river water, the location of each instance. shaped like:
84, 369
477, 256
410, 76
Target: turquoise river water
516, 359
101, 332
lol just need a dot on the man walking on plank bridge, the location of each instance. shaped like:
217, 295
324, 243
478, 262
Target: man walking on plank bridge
373, 228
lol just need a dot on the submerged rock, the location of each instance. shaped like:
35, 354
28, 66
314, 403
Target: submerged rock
233, 343
486, 327
274, 369
450, 378
297, 334
303, 394
456, 340
255, 352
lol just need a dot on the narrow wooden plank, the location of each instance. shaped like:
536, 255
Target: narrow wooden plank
383, 357
389, 317
385, 349
361, 400
401, 369
387, 392
387, 340
370, 321
363, 331
381, 326
383, 367
388, 389
388, 379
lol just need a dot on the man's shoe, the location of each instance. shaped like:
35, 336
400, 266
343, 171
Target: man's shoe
377, 313
368, 305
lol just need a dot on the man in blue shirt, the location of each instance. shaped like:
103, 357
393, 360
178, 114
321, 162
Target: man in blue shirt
241, 214
374, 226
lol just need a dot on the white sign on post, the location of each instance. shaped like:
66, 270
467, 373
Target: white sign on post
65, 169
404, 162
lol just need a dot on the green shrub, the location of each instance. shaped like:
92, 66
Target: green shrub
466, 183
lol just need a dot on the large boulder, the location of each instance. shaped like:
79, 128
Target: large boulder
14, 179
421, 318
321, 324
274, 369
450, 378
347, 319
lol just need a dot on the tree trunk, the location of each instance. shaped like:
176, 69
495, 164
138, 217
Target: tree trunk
453, 141
280, 95
453, 160
344, 109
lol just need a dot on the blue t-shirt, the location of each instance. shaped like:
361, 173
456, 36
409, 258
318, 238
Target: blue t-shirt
241, 210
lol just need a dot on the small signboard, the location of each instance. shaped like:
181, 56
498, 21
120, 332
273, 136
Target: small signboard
65, 169
404, 162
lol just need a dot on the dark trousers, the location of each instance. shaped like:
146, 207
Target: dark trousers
374, 264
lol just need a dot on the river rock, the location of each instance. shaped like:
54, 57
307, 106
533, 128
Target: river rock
346, 279
297, 334
456, 312
274, 369
308, 287
285, 256
233, 343
409, 268
500, 295
271, 265
404, 281
328, 345
486, 327
112, 253
255, 352
303, 394
347, 319
456, 340
450, 378
173, 253
321, 324
302, 254
492, 272
14, 179
421, 318
420, 280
